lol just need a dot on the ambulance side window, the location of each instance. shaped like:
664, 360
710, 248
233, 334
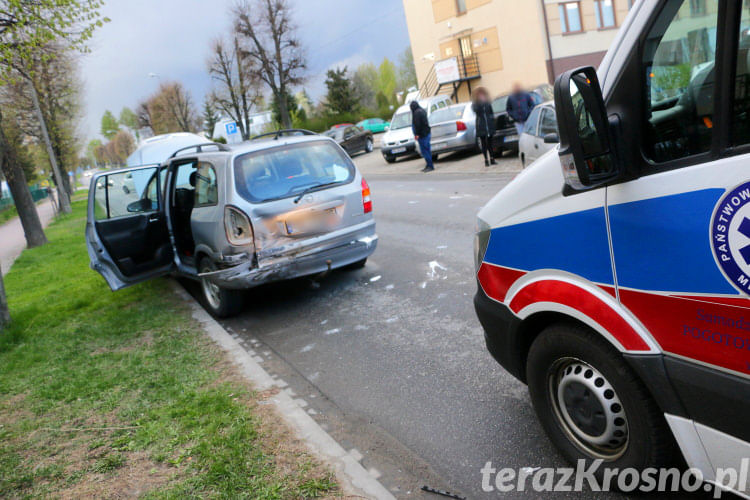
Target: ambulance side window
741, 114
678, 60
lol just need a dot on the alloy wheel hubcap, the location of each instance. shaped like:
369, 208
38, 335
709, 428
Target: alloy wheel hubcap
210, 290
588, 409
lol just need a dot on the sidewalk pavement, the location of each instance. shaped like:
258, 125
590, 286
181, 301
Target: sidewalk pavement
12, 239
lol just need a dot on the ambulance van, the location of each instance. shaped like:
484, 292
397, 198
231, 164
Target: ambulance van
614, 273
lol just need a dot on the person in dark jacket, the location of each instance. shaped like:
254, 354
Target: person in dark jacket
519, 106
485, 123
420, 125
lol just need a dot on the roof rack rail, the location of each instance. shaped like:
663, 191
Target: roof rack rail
290, 132
199, 148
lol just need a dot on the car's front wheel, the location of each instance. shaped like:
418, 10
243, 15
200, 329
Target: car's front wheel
369, 145
390, 159
591, 404
219, 301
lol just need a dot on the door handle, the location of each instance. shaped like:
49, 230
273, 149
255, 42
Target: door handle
153, 218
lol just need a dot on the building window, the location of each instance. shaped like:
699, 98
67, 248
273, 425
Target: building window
570, 17
697, 7
605, 14
460, 7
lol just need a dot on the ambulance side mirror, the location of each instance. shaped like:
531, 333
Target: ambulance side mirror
586, 151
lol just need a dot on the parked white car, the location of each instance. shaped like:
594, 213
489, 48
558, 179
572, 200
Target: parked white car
540, 133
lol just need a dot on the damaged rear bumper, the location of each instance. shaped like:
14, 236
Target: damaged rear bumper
304, 263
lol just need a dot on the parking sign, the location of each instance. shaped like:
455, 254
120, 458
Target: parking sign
231, 128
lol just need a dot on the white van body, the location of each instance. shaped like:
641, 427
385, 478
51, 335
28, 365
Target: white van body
650, 269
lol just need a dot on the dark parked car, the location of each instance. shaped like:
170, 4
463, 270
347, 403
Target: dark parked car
506, 136
352, 138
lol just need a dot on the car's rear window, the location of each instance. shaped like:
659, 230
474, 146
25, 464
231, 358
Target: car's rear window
452, 113
499, 104
286, 171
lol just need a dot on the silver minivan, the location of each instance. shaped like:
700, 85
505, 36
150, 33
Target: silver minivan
279, 207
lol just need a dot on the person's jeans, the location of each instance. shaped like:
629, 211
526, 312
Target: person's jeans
426, 150
520, 126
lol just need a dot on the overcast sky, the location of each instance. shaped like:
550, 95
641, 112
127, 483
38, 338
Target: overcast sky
171, 39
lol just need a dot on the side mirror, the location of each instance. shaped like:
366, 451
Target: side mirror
142, 205
551, 138
586, 152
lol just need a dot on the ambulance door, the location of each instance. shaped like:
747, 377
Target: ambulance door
680, 227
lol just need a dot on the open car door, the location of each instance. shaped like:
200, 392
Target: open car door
126, 228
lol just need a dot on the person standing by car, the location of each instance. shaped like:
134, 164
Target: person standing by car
420, 125
519, 106
485, 123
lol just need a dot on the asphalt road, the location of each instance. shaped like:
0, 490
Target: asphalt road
391, 358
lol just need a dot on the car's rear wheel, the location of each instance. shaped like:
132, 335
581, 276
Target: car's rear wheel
591, 404
219, 301
369, 145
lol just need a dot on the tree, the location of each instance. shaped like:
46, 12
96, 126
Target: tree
119, 148
270, 40
110, 126
93, 152
129, 119
10, 163
407, 72
210, 117
27, 25
290, 104
170, 109
4, 312
236, 91
386, 83
341, 97
364, 82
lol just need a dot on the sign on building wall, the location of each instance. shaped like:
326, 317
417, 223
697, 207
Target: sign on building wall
446, 70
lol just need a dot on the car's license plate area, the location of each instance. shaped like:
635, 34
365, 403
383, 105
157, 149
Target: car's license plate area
398, 150
312, 221
511, 138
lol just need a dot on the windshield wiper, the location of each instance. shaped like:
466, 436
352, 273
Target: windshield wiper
313, 188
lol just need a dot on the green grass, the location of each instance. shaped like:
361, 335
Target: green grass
8, 214
103, 394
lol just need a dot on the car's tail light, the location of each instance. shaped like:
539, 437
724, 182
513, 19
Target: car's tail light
366, 201
238, 228
460, 126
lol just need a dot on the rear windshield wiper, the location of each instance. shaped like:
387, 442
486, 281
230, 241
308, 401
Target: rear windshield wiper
313, 188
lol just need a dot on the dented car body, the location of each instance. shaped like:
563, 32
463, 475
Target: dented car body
232, 218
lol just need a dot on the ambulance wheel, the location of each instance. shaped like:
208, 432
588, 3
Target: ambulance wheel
220, 302
591, 404
356, 265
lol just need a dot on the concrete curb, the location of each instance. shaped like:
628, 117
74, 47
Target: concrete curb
347, 468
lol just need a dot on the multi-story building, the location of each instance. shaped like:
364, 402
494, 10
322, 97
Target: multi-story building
459, 44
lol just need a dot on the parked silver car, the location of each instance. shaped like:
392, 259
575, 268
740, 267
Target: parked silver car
453, 129
236, 217
540, 133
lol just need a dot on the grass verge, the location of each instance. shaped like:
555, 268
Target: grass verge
119, 394
8, 214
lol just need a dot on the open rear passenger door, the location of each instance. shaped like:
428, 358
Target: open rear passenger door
126, 228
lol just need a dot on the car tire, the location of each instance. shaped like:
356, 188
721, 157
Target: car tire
369, 145
592, 405
435, 156
356, 265
390, 159
220, 302
523, 160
